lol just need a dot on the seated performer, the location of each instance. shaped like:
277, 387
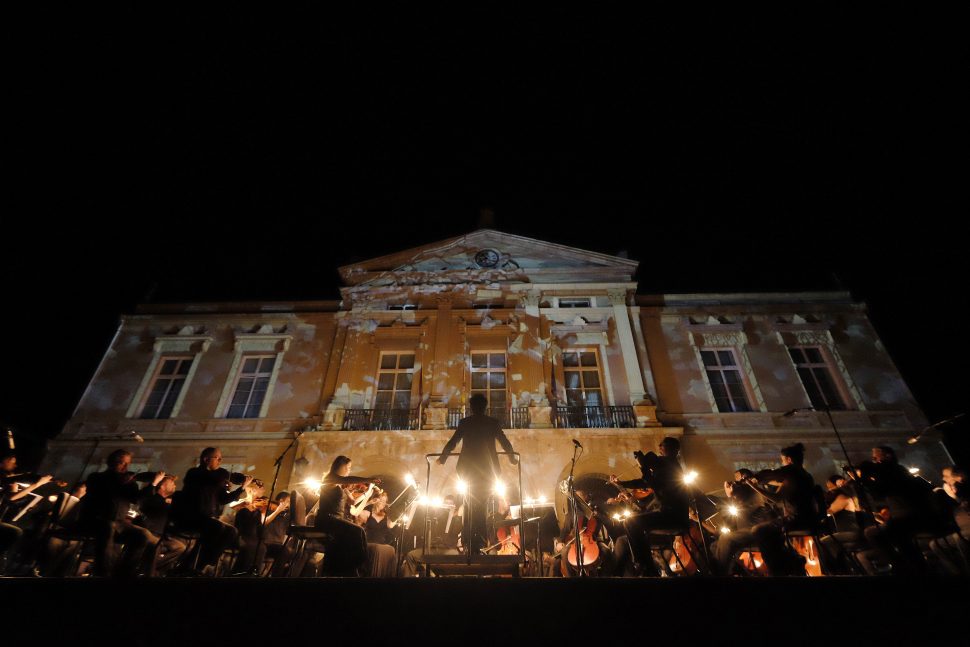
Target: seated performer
377, 526
205, 490
104, 515
346, 552
154, 505
796, 493
751, 511
664, 475
274, 534
910, 505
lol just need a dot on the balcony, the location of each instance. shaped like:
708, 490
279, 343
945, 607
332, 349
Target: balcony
514, 418
578, 417
381, 419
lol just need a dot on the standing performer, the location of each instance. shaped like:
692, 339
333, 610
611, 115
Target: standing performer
478, 464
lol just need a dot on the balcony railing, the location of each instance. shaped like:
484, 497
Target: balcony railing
564, 417
381, 419
514, 418
576, 417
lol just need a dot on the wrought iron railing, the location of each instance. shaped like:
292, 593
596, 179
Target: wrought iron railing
380, 419
577, 417
513, 418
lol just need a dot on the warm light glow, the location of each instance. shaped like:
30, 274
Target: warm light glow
499, 488
529, 500
438, 501
542, 498
616, 516
725, 530
626, 514
404, 520
313, 484
52, 498
733, 510
690, 477
409, 479
914, 470
424, 500
462, 487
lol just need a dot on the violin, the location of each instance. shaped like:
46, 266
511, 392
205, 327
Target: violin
25, 479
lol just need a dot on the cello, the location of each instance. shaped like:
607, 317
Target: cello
591, 550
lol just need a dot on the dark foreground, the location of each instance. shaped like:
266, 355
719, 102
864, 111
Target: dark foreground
691, 611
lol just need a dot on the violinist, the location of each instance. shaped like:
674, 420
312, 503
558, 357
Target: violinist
796, 493
748, 511
204, 492
9, 533
154, 506
248, 520
274, 533
104, 515
377, 526
911, 510
347, 550
664, 476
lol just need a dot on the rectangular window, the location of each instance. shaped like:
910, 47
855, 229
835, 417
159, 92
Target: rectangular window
166, 387
254, 377
575, 303
582, 374
816, 377
724, 376
394, 380
489, 377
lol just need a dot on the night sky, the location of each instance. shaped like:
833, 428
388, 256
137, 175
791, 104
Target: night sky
189, 157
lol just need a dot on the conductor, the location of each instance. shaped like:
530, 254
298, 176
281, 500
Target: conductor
478, 464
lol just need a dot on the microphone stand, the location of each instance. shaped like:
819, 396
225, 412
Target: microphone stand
575, 514
272, 490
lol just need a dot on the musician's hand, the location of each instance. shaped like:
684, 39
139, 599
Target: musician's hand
158, 478
46, 478
377, 481
556, 545
614, 479
247, 481
285, 504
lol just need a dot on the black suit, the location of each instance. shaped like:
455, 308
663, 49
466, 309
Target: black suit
478, 466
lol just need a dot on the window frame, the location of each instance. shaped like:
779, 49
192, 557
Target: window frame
738, 367
488, 352
156, 374
412, 371
827, 363
602, 388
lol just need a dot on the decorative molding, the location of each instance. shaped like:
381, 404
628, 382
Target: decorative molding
184, 342
737, 340
823, 338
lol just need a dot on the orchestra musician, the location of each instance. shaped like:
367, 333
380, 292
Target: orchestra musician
377, 526
274, 534
478, 464
910, 505
154, 505
796, 493
249, 518
104, 515
751, 511
664, 475
346, 551
205, 490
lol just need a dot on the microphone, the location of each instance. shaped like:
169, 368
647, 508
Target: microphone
10, 442
576, 442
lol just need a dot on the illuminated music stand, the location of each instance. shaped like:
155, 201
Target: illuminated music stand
471, 563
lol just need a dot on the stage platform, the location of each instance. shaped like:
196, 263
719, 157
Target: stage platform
488, 611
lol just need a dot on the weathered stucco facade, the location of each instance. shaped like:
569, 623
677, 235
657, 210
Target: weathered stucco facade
556, 337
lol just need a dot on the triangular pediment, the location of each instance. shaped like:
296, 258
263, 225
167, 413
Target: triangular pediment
492, 255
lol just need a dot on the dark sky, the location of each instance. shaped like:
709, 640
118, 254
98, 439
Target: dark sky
238, 156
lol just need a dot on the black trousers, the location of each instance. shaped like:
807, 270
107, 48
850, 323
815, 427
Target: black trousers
214, 538
475, 534
640, 526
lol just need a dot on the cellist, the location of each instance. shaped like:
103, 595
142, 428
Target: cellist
597, 545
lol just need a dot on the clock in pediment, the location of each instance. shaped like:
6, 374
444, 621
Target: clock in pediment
487, 258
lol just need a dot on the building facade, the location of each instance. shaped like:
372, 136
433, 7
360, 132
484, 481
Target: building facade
556, 338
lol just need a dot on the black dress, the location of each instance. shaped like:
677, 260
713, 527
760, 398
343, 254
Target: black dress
378, 531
